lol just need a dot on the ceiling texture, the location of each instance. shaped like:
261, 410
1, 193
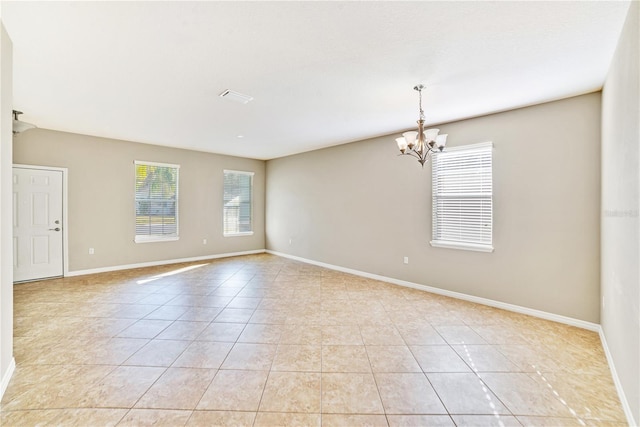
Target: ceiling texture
320, 73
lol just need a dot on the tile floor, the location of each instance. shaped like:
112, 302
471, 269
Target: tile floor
266, 341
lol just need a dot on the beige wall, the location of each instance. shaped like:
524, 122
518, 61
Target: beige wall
6, 211
359, 206
101, 198
620, 207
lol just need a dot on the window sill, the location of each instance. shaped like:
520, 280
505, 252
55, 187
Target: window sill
244, 233
462, 246
151, 239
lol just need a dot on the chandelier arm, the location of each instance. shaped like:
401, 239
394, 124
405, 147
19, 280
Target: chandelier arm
412, 154
418, 156
426, 155
423, 158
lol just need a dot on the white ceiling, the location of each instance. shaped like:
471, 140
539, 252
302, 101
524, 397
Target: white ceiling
321, 73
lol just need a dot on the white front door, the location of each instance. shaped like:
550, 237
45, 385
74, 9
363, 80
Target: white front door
37, 224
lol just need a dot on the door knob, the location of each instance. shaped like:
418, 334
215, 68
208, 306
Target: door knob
55, 229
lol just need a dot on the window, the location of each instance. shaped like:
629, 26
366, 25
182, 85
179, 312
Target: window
238, 210
463, 198
156, 202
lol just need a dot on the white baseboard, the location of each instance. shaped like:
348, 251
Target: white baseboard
485, 301
4, 383
163, 262
616, 381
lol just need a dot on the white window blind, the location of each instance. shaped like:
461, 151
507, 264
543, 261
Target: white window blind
156, 201
238, 200
463, 197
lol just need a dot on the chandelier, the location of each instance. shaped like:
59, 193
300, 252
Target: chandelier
421, 143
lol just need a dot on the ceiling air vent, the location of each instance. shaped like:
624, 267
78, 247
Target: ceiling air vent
235, 96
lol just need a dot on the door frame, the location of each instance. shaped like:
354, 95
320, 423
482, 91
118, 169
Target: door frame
65, 225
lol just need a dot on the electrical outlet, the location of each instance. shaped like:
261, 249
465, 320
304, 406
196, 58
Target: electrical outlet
406, 260
91, 251
204, 241
290, 240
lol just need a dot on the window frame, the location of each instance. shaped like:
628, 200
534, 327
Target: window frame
460, 244
239, 233
150, 238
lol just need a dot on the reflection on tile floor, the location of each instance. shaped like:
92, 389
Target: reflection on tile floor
262, 340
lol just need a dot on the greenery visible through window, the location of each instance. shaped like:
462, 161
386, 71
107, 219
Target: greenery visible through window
156, 201
237, 203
